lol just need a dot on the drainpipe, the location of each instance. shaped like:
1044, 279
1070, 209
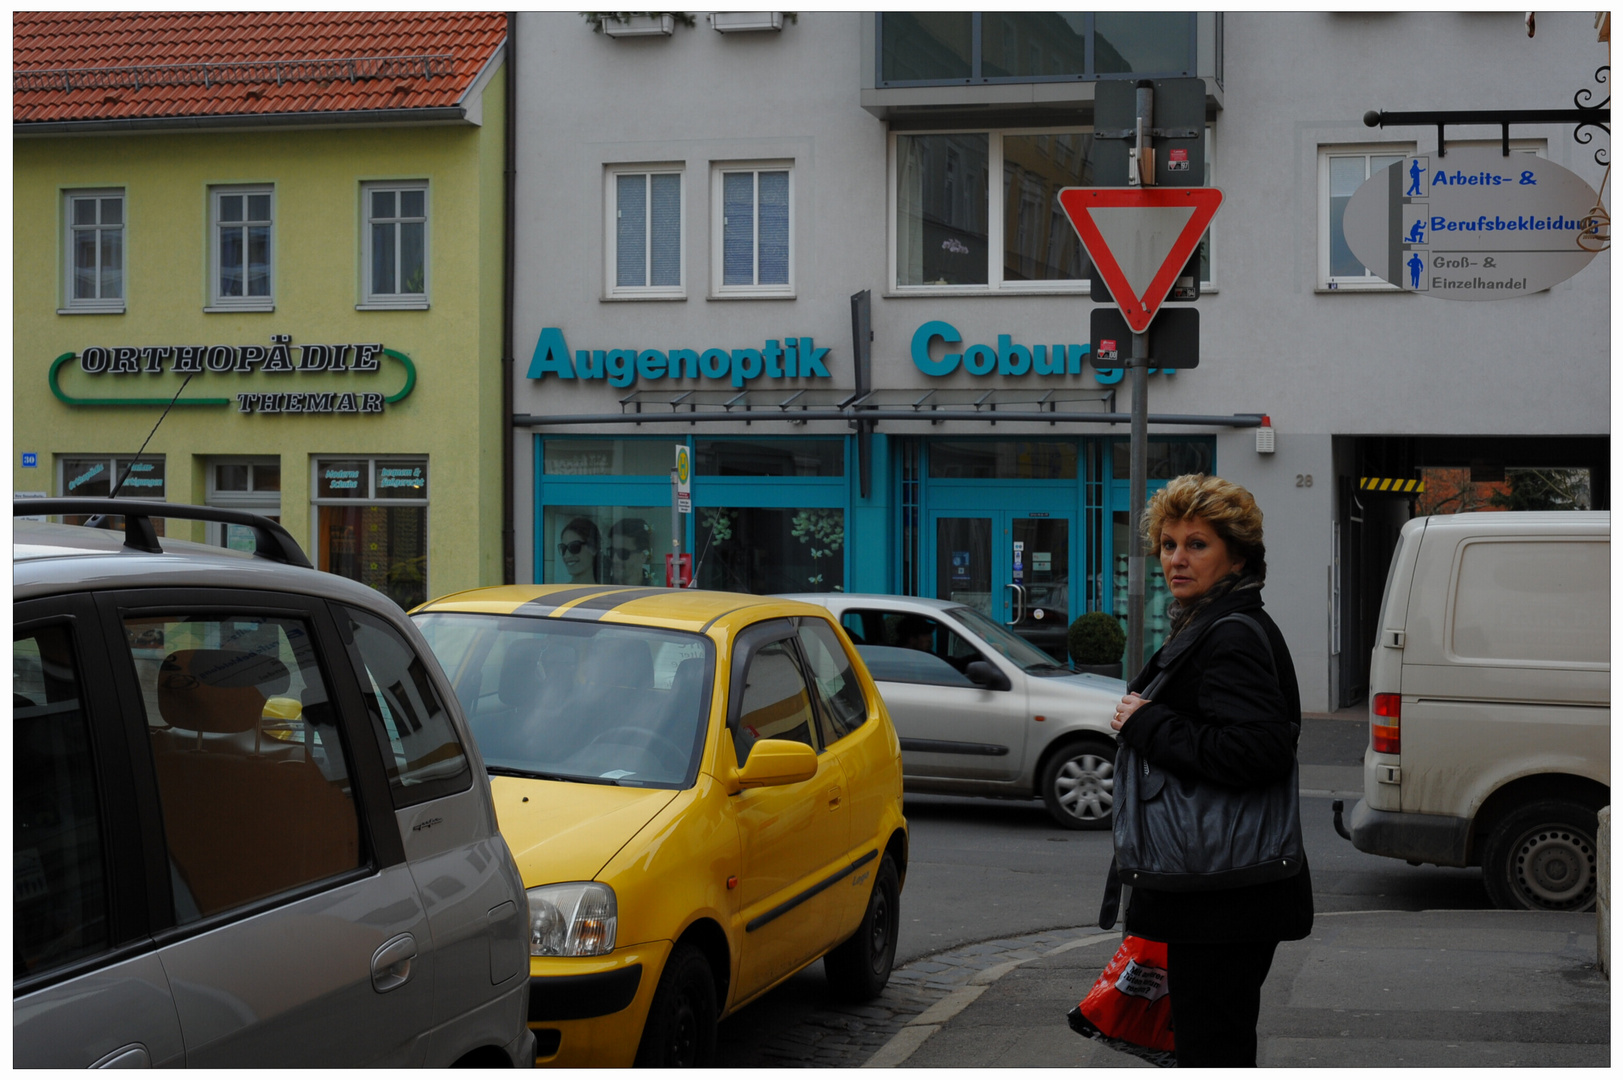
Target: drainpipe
508, 198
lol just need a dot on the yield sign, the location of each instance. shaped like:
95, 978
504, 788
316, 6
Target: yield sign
1140, 239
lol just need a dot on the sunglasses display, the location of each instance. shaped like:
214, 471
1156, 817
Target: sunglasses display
572, 547
624, 553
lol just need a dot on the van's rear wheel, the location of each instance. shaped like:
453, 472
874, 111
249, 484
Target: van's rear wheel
1542, 858
1078, 784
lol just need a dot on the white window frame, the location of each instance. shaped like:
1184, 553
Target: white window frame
1371, 283
72, 305
239, 303
267, 503
611, 247
395, 301
995, 230
718, 172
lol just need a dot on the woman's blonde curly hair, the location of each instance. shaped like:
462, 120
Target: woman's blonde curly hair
1227, 507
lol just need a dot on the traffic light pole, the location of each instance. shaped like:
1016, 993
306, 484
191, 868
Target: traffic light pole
1138, 484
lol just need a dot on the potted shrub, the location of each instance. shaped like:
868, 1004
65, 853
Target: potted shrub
1096, 641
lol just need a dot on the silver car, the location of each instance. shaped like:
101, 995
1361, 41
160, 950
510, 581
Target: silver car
250, 827
981, 711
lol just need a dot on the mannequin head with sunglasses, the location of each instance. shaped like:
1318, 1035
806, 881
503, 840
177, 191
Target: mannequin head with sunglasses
630, 547
578, 547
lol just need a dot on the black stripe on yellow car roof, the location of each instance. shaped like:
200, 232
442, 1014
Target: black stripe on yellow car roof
598, 606
546, 605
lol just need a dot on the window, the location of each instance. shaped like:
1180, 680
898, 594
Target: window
776, 704
95, 251
950, 234
752, 232
612, 545
372, 523
769, 549
1341, 172
253, 484
769, 457
59, 895
96, 476
945, 48
645, 241
396, 245
252, 775
420, 747
843, 709
242, 253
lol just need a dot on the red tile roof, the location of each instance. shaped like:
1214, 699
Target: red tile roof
70, 65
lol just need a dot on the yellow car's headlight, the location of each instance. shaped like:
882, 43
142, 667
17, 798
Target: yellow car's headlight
577, 918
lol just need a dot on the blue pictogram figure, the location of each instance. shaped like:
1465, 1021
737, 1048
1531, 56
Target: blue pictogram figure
1415, 266
1414, 178
1417, 232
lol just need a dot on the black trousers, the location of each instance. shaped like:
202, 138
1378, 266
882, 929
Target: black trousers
1216, 993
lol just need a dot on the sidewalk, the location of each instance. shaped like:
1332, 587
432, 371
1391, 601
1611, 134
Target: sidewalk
1476, 989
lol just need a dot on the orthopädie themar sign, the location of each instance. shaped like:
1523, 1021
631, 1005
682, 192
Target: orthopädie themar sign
142, 366
802, 358
1473, 225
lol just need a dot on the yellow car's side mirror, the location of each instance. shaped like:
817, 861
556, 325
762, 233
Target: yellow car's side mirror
775, 762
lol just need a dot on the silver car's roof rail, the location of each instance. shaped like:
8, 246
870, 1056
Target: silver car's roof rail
271, 541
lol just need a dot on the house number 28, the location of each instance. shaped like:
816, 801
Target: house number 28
1304, 479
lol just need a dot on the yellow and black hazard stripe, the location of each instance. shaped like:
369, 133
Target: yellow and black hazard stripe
1390, 485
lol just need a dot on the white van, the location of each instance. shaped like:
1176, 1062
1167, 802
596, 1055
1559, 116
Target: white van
1490, 704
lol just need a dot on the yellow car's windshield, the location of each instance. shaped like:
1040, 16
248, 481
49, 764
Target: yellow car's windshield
569, 700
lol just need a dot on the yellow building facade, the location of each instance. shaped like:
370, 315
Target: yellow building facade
315, 313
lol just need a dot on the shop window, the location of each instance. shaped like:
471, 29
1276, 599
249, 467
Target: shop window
252, 484
97, 476
251, 772
1164, 459
769, 457
949, 235
396, 239
645, 240
753, 232
608, 457
94, 255
947, 48
243, 227
372, 523
605, 545
1002, 461
769, 550
60, 890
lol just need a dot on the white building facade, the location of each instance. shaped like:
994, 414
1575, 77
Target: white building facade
696, 209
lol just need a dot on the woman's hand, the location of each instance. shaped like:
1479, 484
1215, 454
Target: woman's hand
1128, 706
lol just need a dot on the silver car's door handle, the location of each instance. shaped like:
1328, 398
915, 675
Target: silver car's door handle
391, 964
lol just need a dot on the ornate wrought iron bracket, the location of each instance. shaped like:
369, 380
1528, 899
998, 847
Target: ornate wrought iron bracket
1582, 114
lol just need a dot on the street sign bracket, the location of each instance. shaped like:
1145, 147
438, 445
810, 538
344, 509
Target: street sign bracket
1600, 116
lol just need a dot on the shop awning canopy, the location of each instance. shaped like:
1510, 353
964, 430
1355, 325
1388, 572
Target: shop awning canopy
1052, 406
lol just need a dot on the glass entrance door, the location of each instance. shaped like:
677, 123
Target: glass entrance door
1013, 566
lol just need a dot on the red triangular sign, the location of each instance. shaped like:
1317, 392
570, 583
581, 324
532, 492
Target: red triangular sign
1140, 239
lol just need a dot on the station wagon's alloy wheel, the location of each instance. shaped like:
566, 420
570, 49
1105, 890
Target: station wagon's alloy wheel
859, 969
681, 1027
1079, 784
1543, 858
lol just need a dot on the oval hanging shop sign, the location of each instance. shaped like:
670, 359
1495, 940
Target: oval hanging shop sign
1473, 225
114, 363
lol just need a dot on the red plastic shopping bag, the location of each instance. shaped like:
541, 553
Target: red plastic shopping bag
1128, 1008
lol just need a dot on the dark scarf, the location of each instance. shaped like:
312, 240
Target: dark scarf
1185, 615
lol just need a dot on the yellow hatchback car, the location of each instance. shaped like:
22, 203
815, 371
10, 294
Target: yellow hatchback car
703, 793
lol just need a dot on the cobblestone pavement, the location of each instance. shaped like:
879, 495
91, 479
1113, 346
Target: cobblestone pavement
829, 1034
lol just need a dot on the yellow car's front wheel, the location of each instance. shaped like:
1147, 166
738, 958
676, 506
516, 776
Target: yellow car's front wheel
681, 1027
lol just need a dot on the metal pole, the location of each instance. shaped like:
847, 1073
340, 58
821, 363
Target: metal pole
1137, 485
676, 532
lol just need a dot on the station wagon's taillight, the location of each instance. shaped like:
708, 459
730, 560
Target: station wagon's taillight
1383, 738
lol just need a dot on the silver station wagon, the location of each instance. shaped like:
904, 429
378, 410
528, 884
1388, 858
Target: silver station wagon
250, 826
980, 710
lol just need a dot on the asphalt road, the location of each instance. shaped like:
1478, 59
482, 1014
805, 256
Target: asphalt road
985, 869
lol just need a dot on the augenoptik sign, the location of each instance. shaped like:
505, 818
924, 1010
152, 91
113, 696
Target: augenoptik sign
322, 375
1473, 225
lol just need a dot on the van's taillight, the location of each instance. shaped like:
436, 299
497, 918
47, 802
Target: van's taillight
1384, 737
